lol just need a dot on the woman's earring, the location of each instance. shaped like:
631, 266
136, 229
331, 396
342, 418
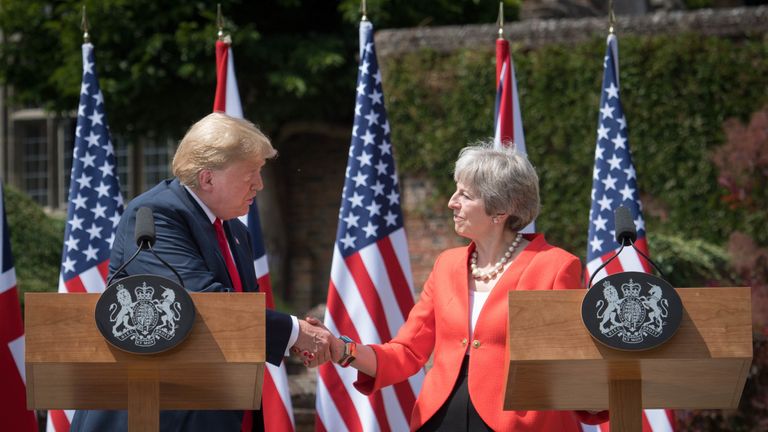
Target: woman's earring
495, 220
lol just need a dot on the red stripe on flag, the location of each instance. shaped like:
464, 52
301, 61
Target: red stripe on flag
646, 425
265, 286
104, 269
75, 285
642, 244
614, 266
10, 312
277, 417
59, 420
369, 294
406, 397
340, 397
397, 279
377, 403
335, 307
222, 52
344, 324
504, 115
319, 426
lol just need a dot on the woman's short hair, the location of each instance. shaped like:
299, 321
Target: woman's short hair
503, 178
214, 142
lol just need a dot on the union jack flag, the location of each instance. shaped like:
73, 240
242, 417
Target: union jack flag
14, 414
370, 292
614, 183
508, 129
276, 395
95, 203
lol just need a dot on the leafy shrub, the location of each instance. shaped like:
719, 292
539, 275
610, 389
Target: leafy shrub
36, 242
677, 91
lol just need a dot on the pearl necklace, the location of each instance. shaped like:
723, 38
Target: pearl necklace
498, 267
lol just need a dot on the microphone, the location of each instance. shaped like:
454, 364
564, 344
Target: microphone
145, 228
626, 234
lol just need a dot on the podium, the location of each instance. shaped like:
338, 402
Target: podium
554, 363
220, 365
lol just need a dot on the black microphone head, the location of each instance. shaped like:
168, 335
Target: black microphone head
145, 227
625, 226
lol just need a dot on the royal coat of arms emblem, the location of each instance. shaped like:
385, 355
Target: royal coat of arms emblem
642, 313
144, 314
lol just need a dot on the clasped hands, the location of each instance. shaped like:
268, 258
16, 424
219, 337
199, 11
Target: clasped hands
316, 344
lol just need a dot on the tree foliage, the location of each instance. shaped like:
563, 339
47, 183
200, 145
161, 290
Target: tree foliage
156, 59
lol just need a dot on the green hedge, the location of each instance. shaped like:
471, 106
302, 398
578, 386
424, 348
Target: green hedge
36, 242
676, 90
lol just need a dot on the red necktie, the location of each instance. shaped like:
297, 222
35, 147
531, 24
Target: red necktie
224, 246
247, 424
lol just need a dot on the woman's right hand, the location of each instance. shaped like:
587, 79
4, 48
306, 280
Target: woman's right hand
336, 345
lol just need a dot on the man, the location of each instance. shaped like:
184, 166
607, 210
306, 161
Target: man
217, 170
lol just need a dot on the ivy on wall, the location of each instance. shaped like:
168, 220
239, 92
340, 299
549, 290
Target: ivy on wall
677, 92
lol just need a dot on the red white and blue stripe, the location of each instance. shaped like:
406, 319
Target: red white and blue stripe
371, 291
508, 122
14, 415
614, 183
276, 396
95, 203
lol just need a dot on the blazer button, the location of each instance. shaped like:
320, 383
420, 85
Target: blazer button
464, 342
476, 343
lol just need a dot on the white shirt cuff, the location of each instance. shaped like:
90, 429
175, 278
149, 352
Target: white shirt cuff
294, 336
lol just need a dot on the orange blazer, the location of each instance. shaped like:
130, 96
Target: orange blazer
439, 323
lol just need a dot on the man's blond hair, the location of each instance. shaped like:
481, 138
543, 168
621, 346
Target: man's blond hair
214, 142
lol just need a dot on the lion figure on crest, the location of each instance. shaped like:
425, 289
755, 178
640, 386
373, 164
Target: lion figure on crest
126, 311
612, 308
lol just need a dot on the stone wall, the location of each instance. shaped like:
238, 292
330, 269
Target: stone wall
535, 33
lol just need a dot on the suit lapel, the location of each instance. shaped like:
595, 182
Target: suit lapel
204, 234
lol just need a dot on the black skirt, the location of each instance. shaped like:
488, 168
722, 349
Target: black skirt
457, 413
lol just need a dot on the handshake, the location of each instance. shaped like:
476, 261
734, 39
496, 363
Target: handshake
316, 344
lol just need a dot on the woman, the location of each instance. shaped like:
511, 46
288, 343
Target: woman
461, 315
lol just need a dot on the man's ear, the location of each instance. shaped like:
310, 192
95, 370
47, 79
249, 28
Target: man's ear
205, 179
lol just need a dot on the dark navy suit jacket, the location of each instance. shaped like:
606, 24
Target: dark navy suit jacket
186, 240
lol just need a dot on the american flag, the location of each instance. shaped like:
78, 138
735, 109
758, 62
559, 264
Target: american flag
508, 122
370, 292
614, 183
276, 395
13, 399
95, 203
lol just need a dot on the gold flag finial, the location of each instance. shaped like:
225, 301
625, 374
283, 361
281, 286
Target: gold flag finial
500, 20
220, 21
364, 10
84, 26
611, 17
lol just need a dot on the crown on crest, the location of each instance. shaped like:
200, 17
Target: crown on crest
144, 292
631, 289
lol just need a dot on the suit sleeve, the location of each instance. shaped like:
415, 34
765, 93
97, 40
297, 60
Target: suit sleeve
176, 245
569, 275
407, 352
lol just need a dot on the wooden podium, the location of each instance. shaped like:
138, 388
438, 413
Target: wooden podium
554, 363
219, 366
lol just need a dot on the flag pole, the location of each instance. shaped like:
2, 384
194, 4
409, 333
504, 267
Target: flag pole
611, 17
84, 26
220, 22
364, 10
500, 20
